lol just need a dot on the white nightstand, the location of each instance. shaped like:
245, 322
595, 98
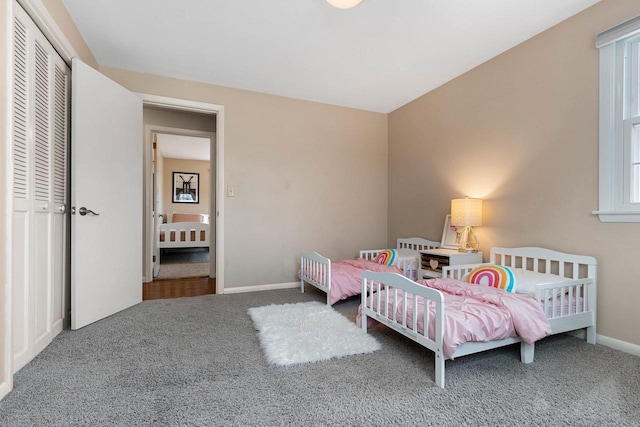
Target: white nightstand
432, 261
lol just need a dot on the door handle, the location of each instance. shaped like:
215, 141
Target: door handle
83, 211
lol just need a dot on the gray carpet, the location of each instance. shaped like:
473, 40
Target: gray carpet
197, 361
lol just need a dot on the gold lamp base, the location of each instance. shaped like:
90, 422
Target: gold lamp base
467, 240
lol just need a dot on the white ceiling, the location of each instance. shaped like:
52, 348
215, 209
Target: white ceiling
183, 147
377, 56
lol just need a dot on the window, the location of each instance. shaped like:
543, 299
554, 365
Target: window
619, 193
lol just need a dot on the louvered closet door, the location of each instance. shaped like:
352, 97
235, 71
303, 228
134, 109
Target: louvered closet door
40, 122
59, 157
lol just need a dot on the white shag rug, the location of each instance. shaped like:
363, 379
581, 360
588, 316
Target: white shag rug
308, 332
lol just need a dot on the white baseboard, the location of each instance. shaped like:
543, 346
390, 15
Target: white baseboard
616, 344
258, 288
5, 388
627, 347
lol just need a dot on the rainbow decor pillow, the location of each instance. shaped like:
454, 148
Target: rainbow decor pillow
496, 276
386, 257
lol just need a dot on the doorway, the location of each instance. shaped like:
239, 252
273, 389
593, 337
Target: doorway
182, 207
170, 117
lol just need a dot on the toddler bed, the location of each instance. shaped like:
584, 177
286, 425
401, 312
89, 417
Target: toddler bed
185, 231
555, 293
343, 279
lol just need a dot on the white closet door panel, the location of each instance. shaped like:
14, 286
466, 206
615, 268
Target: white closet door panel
20, 116
42, 115
60, 151
59, 269
39, 188
41, 269
20, 304
21, 222
59, 162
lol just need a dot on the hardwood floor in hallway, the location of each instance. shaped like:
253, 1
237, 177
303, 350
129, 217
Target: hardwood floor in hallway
178, 288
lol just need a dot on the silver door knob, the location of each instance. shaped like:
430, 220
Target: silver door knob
83, 211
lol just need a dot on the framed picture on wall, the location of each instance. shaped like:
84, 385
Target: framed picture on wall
186, 187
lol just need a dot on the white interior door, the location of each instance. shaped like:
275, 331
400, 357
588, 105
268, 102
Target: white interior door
106, 178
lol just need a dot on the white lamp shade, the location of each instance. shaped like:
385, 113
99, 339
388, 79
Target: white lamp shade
466, 211
344, 4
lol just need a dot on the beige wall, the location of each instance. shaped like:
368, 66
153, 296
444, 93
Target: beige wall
191, 166
521, 132
307, 176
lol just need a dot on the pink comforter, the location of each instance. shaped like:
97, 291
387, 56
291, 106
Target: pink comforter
346, 277
476, 313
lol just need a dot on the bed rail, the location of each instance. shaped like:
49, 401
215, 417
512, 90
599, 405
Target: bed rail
316, 270
184, 235
416, 243
409, 268
404, 296
458, 271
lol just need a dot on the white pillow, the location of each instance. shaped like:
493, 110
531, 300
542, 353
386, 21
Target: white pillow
527, 280
407, 253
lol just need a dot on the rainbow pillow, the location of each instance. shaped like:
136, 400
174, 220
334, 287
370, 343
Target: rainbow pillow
386, 257
496, 276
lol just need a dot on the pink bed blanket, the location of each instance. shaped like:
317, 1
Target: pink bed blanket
474, 313
346, 277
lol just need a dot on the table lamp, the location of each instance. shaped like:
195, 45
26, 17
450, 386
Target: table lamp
466, 213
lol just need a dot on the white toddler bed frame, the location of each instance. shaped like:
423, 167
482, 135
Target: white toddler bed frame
575, 308
184, 235
316, 269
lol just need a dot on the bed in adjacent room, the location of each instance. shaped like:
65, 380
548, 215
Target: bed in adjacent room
184, 230
343, 279
521, 296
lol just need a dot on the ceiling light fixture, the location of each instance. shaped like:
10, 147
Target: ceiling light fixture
344, 4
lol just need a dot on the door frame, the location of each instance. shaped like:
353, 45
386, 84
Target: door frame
186, 105
149, 228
